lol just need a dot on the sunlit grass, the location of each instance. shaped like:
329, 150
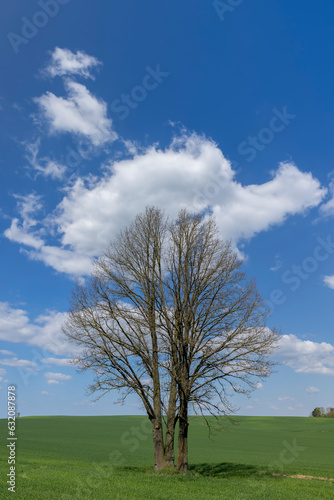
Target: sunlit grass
111, 457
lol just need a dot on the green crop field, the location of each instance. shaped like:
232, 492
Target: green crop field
111, 458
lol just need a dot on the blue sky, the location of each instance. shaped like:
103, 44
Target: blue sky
108, 106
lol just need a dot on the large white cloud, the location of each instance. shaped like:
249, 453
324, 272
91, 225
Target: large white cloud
80, 113
192, 172
305, 356
64, 62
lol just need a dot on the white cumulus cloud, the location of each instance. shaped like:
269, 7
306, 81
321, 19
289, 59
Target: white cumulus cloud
64, 62
305, 356
79, 113
192, 172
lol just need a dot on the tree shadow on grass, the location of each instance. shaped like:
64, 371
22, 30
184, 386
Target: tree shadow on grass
225, 469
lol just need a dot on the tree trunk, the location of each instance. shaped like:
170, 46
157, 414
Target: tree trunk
158, 444
170, 428
182, 452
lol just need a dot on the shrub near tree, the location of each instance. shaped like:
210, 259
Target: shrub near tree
168, 315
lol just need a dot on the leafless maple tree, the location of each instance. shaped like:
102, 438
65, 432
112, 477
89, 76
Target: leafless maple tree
168, 314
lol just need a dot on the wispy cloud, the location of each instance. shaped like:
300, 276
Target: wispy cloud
56, 378
18, 362
277, 265
329, 281
57, 361
43, 166
45, 331
312, 390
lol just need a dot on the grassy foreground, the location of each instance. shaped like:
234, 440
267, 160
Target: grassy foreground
67, 458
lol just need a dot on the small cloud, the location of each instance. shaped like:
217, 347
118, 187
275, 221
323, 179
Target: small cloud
64, 62
290, 408
84, 402
146, 381
277, 265
17, 106
18, 362
327, 209
258, 385
57, 376
249, 407
312, 390
273, 407
329, 281
286, 398
81, 114
7, 353
57, 361
45, 393
50, 382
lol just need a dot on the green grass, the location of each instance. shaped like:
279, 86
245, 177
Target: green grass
111, 457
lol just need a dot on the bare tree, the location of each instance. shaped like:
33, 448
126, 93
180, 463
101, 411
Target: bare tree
114, 319
222, 340
168, 315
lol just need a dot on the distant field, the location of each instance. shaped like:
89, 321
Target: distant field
67, 458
